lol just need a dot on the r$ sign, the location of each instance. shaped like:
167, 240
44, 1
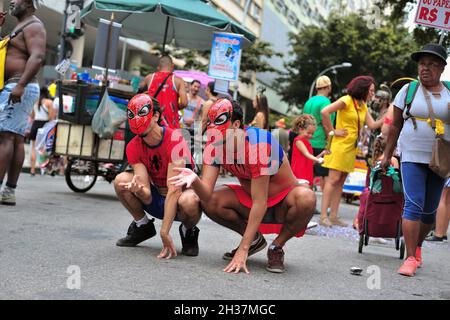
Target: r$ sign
434, 13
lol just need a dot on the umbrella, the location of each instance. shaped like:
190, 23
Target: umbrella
189, 75
189, 23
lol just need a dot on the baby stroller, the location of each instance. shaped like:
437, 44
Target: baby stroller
380, 212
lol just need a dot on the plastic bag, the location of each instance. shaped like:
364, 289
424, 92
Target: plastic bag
45, 138
108, 118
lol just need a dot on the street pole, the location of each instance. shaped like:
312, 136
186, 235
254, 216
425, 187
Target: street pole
337, 66
63, 37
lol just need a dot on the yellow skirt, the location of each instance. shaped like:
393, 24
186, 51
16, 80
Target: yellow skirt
343, 155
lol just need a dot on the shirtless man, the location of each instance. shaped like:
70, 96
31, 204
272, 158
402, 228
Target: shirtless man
24, 58
268, 190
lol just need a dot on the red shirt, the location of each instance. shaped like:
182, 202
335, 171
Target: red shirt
157, 158
167, 98
261, 155
302, 167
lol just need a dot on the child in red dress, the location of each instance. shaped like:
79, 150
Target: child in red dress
302, 153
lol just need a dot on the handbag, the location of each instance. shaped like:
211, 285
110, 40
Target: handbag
440, 156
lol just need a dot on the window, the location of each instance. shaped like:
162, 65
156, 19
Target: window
256, 12
293, 20
281, 6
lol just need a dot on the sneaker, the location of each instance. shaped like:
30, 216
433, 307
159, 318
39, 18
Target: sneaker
190, 241
325, 222
338, 222
275, 261
8, 197
409, 267
435, 238
311, 225
136, 235
254, 248
419, 257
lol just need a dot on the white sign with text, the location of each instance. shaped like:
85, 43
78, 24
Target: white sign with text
434, 13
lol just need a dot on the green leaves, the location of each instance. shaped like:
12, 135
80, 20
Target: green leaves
381, 52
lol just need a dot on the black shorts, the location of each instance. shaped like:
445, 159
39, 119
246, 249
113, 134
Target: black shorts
319, 171
37, 124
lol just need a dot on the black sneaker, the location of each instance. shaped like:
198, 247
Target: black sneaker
136, 235
258, 246
435, 238
190, 241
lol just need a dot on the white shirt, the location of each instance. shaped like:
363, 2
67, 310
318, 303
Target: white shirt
416, 144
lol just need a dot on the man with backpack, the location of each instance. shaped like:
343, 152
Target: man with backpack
22, 54
169, 90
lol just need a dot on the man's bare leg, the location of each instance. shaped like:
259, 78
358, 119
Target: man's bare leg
296, 211
189, 213
225, 209
141, 228
6, 152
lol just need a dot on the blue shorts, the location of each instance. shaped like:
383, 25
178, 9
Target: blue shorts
14, 117
422, 189
156, 207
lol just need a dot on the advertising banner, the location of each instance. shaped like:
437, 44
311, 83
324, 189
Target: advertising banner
225, 56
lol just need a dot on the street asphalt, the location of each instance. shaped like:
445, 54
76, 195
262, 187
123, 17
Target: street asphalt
53, 231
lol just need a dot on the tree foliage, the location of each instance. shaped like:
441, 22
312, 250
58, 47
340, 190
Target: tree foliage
383, 53
253, 59
422, 34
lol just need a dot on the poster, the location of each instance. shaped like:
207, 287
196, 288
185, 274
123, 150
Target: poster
225, 56
434, 13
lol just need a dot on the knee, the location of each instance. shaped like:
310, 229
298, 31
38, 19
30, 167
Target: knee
305, 200
211, 206
121, 178
189, 203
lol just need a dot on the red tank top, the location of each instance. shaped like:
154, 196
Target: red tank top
167, 98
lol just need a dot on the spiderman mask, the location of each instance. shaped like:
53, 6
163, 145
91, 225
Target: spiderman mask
219, 118
140, 112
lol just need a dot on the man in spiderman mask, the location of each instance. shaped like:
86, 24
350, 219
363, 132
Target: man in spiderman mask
153, 153
268, 190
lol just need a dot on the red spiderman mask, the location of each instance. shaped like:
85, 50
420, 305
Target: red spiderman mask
140, 112
219, 117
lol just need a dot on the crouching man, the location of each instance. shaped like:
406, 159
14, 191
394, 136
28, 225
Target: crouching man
268, 190
153, 153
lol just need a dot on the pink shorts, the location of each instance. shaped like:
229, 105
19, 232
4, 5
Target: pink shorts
269, 224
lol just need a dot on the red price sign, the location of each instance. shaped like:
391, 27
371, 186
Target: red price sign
434, 13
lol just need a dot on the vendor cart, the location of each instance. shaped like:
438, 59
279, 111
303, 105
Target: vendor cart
88, 156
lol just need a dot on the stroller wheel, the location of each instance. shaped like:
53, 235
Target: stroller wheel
402, 249
361, 243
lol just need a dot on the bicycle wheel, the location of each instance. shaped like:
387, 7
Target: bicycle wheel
81, 175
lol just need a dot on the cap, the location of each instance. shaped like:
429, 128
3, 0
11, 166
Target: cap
322, 82
281, 123
433, 49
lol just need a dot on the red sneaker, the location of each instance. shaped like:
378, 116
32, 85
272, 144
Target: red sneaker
419, 257
409, 267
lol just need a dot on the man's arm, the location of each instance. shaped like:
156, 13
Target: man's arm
203, 187
143, 85
35, 40
143, 193
259, 192
181, 87
170, 212
205, 111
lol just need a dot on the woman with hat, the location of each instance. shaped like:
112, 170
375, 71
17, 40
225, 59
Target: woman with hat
412, 128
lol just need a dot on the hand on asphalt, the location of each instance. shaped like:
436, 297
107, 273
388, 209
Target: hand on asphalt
168, 251
239, 262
